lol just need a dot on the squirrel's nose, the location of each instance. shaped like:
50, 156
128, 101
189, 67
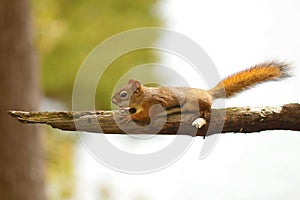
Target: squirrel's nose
114, 100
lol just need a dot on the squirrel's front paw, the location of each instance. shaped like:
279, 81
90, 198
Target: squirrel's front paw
123, 119
199, 122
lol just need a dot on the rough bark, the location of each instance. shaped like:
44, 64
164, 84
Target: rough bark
21, 153
243, 120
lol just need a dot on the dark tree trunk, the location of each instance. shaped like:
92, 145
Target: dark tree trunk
21, 152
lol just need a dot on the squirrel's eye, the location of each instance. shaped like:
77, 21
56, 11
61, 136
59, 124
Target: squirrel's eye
123, 94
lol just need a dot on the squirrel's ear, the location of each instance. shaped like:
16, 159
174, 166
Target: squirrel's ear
136, 84
131, 81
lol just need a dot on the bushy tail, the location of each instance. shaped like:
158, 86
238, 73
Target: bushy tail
243, 80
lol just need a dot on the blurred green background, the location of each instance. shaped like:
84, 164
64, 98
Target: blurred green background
65, 33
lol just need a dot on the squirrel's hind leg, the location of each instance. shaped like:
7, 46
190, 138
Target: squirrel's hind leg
199, 122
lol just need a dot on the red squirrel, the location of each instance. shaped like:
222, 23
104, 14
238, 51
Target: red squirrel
140, 98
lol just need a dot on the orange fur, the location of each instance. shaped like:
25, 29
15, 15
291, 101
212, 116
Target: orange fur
185, 99
250, 77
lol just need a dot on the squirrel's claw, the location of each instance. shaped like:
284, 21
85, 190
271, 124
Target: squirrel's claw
124, 119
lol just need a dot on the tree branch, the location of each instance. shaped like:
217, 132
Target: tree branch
243, 120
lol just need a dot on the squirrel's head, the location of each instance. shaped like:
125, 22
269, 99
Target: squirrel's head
123, 96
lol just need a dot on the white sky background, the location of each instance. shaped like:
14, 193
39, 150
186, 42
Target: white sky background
235, 34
